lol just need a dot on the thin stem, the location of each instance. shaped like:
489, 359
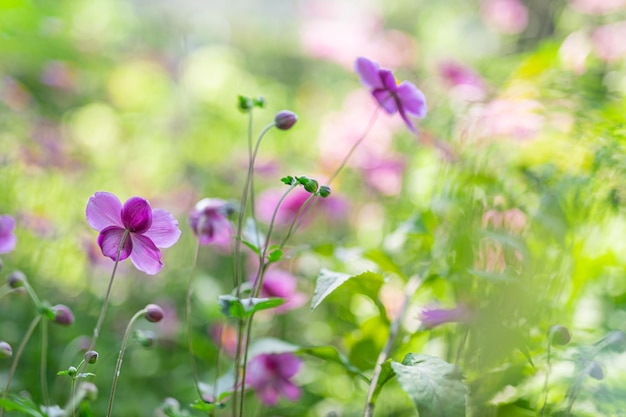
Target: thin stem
44, 360
245, 363
192, 359
545, 382
32, 294
120, 357
73, 397
217, 366
5, 290
409, 290
18, 355
96, 330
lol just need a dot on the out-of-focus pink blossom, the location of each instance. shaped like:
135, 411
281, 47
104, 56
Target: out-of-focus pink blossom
464, 82
13, 94
332, 208
7, 234
225, 337
209, 221
269, 375
597, 7
282, 284
609, 41
505, 16
510, 118
433, 317
384, 174
574, 51
58, 74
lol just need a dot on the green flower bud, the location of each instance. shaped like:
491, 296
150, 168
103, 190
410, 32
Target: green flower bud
16, 279
311, 186
324, 191
559, 335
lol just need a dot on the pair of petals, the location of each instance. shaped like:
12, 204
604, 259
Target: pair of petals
146, 230
404, 98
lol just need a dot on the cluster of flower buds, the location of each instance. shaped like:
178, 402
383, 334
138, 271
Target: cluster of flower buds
245, 104
309, 184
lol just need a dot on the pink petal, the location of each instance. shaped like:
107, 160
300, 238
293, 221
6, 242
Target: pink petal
368, 73
268, 394
164, 231
109, 241
7, 238
412, 99
389, 81
137, 215
104, 210
291, 391
289, 364
407, 121
145, 256
386, 100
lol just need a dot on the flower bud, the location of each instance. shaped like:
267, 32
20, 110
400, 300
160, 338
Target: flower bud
91, 356
324, 191
245, 104
154, 313
5, 350
559, 335
594, 370
63, 315
16, 279
311, 185
285, 119
71, 371
145, 337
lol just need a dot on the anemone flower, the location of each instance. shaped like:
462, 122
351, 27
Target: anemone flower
209, 221
270, 376
142, 230
404, 98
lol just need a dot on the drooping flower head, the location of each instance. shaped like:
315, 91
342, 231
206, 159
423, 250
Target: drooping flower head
209, 221
7, 237
147, 230
404, 98
270, 376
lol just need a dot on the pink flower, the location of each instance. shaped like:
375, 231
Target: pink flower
270, 376
464, 82
597, 7
7, 235
505, 16
209, 221
384, 174
608, 41
404, 98
278, 283
331, 207
433, 317
146, 230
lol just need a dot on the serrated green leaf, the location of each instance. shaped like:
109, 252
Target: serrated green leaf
234, 307
367, 283
331, 354
434, 385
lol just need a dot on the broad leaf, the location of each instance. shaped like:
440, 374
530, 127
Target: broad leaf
234, 307
386, 374
367, 283
21, 404
434, 385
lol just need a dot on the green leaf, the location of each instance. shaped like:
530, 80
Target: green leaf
367, 283
331, 354
251, 246
386, 374
21, 404
234, 307
434, 385
275, 256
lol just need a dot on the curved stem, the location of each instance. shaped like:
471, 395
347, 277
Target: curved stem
96, 330
44, 360
194, 367
409, 290
120, 357
18, 355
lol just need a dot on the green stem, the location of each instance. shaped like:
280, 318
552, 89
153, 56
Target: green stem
545, 382
120, 357
96, 330
44, 360
194, 366
18, 355
5, 290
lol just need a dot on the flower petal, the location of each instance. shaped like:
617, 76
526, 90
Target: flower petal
145, 255
388, 80
137, 215
164, 231
407, 121
386, 100
268, 394
104, 210
412, 99
288, 364
7, 237
291, 391
368, 73
109, 241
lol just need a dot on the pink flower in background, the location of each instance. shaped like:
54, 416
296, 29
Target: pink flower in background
270, 376
464, 82
404, 98
147, 229
282, 284
209, 221
513, 118
332, 208
385, 175
225, 336
7, 235
597, 7
609, 41
58, 74
574, 51
433, 317
505, 16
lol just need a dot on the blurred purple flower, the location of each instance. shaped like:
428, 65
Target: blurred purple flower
147, 229
7, 236
404, 98
384, 174
464, 82
282, 284
332, 208
505, 16
270, 376
433, 317
209, 221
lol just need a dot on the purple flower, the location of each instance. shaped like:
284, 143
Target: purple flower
7, 237
269, 375
433, 317
282, 284
147, 229
404, 98
209, 221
